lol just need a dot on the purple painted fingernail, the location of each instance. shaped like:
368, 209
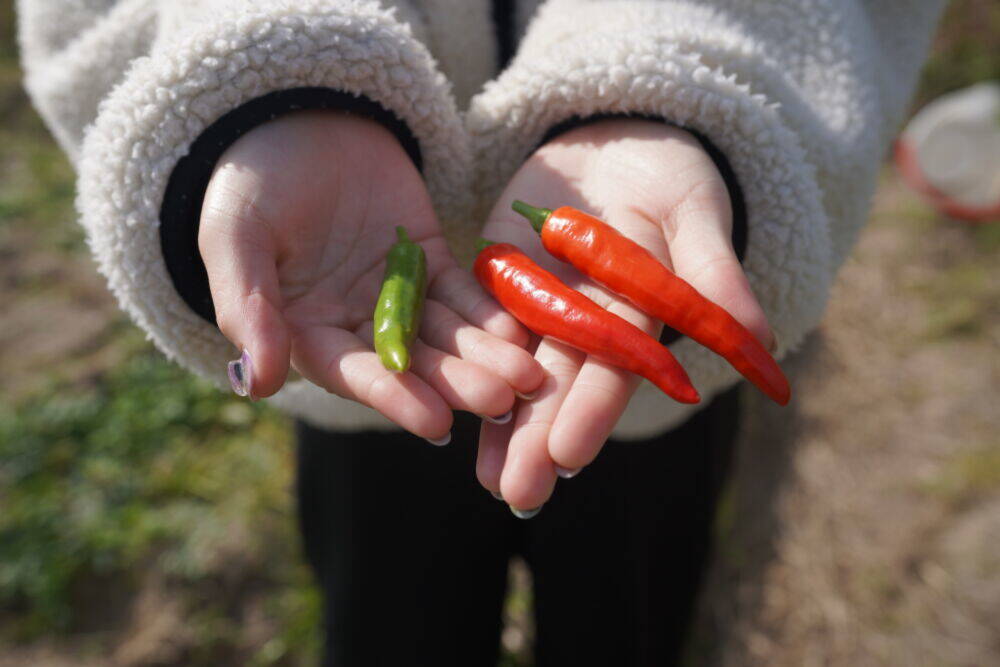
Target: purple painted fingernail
502, 419
241, 375
567, 473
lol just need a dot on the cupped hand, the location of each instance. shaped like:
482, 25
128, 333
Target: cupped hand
295, 226
657, 186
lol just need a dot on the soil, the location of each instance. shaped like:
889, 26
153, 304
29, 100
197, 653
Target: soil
864, 523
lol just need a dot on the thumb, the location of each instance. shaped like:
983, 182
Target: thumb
240, 259
702, 254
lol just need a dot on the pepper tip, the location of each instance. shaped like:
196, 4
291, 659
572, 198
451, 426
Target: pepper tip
689, 395
397, 361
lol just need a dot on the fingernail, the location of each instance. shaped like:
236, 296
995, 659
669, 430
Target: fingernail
567, 473
502, 419
440, 442
497, 495
525, 514
241, 375
527, 397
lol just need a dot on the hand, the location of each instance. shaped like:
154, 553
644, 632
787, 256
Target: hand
657, 186
295, 226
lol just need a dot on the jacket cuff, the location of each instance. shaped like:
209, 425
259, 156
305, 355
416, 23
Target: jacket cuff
585, 59
245, 52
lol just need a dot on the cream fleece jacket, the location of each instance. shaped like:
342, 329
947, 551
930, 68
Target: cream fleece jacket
802, 96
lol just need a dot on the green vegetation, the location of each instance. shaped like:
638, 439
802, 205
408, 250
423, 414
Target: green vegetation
965, 49
122, 474
968, 476
149, 468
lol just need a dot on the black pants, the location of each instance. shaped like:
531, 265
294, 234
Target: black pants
411, 553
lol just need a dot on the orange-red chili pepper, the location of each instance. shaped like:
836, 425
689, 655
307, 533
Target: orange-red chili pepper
549, 307
602, 253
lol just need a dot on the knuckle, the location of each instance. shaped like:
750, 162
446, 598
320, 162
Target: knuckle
712, 271
382, 390
560, 370
227, 322
706, 195
613, 395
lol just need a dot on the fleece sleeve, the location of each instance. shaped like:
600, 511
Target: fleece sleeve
801, 96
174, 70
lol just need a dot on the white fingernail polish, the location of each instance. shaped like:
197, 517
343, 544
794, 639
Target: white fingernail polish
567, 473
527, 397
440, 442
525, 514
502, 419
241, 375
497, 495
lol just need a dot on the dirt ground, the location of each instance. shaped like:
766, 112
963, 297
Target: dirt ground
864, 525
864, 520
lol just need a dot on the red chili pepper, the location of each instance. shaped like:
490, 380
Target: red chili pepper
602, 253
548, 307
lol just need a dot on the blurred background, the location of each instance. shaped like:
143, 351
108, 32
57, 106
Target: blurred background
146, 519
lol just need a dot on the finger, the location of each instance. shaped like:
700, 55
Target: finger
493, 439
529, 474
239, 258
592, 408
343, 364
463, 385
446, 330
457, 289
594, 404
702, 253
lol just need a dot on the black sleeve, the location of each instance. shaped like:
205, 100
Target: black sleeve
737, 202
180, 212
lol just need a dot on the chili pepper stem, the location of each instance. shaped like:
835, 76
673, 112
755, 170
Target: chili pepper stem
536, 216
482, 244
401, 235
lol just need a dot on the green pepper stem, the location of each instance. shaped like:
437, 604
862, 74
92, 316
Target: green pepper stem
482, 244
536, 216
401, 235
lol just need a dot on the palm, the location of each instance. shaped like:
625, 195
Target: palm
330, 274
297, 222
658, 187
554, 183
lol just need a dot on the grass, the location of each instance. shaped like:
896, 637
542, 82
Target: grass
967, 477
112, 474
966, 298
964, 51
149, 468
133, 469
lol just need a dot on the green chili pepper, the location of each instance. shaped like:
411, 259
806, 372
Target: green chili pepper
400, 303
